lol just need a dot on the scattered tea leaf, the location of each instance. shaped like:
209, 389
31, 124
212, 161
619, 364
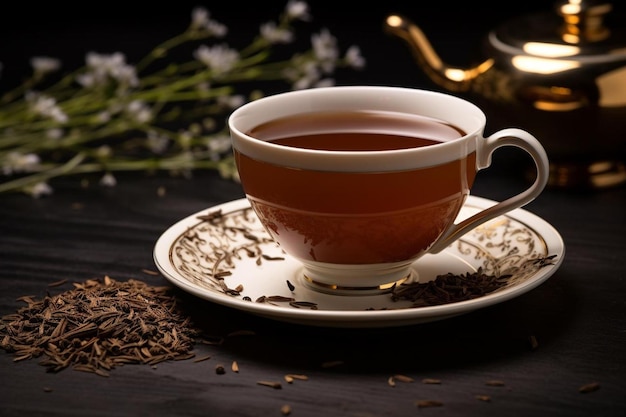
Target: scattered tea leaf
57, 283
271, 384
428, 403
494, 383
303, 304
431, 381
591, 387
403, 378
289, 378
273, 258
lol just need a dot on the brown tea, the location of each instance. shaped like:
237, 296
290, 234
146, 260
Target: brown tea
356, 131
356, 217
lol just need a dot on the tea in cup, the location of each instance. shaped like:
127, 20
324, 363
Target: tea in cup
358, 182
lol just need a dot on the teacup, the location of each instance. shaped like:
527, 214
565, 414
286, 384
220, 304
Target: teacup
358, 182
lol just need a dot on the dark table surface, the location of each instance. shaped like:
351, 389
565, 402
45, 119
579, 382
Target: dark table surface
576, 316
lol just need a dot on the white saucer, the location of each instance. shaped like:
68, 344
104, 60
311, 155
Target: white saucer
214, 251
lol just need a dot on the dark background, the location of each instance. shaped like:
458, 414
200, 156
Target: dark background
456, 30
81, 233
69, 30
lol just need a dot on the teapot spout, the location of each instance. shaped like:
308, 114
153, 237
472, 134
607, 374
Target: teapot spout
450, 78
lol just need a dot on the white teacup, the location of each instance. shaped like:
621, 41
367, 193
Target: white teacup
358, 182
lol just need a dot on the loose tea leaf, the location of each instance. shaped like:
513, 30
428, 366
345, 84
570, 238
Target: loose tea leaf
289, 378
591, 387
452, 288
98, 325
271, 384
449, 288
428, 403
494, 383
431, 381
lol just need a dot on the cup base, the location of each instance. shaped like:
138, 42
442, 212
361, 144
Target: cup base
336, 289
367, 279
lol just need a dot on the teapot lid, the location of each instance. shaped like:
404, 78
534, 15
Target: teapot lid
580, 29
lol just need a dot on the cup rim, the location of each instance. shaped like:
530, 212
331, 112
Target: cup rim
381, 98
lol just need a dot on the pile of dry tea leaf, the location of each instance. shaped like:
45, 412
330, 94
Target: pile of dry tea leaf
451, 288
99, 324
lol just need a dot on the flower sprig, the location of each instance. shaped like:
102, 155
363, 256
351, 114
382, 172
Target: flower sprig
110, 116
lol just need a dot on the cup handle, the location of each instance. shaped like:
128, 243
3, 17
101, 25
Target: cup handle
505, 137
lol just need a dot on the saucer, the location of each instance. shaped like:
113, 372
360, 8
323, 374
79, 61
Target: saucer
223, 254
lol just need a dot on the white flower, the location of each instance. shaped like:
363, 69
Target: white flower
38, 190
354, 57
54, 133
87, 80
199, 17
157, 143
45, 106
216, 29
203, 86
103, 117
231, 102
218, 145
297, 10
326, 82
200, 21
43, 65
271, 33
105, 67
58, 115
219, 58
16, 162
139, 111
304, 74
325, 49
108, 180
104, 152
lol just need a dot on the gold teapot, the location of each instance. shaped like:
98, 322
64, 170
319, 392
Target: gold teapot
559, 74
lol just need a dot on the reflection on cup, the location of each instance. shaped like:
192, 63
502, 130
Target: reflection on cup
359, 182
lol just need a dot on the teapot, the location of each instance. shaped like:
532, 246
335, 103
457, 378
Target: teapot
560, 74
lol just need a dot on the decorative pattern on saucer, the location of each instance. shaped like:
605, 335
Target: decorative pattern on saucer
208, 254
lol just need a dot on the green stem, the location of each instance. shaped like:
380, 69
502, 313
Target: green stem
22, 182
